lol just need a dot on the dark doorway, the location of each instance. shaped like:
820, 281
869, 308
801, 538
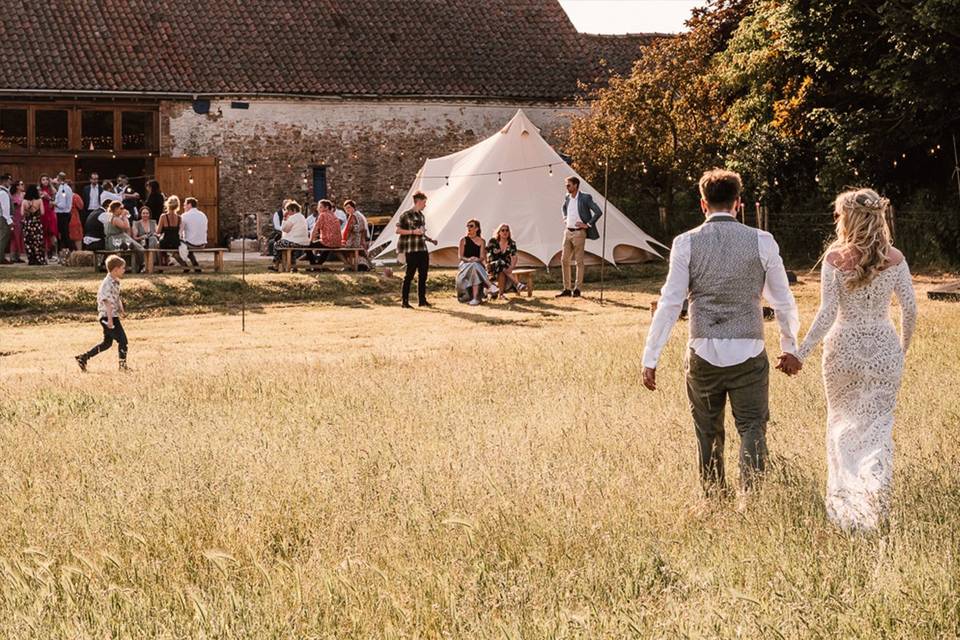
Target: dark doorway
319, 183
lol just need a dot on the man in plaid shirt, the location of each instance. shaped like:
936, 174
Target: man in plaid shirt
412, 242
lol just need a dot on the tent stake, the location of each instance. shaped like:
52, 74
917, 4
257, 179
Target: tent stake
243, 287
603, 242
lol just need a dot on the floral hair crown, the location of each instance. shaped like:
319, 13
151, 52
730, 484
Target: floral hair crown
870, 202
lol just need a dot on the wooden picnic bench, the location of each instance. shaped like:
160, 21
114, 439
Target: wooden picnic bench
150, 257
286, 260
526, 276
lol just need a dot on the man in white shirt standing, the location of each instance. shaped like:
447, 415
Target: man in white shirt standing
91, 193
63, 202
193, 229
6, 216
723, 268
580, 215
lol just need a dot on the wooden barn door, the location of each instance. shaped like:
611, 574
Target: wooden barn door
175, 175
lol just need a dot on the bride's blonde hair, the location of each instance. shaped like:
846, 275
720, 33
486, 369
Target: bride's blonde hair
861, 221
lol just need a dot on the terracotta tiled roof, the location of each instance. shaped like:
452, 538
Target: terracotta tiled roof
615, 53
482, 48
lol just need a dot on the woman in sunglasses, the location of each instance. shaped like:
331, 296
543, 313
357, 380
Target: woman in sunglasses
502, 260
472, 276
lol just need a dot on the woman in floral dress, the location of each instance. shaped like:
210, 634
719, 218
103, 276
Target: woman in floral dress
33, 238
502, 259
355, 237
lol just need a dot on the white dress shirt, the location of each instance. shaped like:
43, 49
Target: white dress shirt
573, 211
63, 201
6, 206
108, 195
94, 202
728, 351
193, 227
311, 220
342, 217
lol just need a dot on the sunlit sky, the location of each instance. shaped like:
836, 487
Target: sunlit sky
629, 16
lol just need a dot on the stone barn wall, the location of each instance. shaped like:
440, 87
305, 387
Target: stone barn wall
372, 149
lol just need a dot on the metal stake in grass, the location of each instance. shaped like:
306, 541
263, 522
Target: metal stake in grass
243, 262
603, 242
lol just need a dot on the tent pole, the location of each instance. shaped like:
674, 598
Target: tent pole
243, 287
603, 242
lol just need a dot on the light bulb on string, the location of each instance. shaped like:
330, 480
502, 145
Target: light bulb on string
448, 181
550, 172
499, 178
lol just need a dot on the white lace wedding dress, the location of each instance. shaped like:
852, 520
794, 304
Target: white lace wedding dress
862, 363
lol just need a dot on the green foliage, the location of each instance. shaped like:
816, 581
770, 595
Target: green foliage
802, 97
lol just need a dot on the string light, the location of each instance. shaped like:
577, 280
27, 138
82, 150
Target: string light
448, 180
550, 172
499, 178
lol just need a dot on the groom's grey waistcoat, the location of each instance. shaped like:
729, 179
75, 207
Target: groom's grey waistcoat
726, 281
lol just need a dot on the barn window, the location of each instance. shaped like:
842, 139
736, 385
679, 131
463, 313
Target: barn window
137, 130
96, 129
13, 128
53, 130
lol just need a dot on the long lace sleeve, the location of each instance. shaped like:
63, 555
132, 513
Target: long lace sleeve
827, 314
903, 289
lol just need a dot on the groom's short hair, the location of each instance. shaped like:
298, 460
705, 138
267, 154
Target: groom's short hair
720, 188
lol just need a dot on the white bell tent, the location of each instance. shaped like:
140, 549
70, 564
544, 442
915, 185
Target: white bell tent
512, 177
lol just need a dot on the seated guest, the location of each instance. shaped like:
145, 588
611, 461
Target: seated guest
94, 230
117, 233
193, 229
326, 233
294, 229
168, 229
355, 237
472, 276
311, 220
145, 229
502, 260
277, 232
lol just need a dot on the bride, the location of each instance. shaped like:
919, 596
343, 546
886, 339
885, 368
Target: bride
862, 357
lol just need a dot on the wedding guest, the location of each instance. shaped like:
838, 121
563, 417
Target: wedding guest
109, 311
49, 217
580, 215
91, 192
94, 230
277, 223
472, 276
168, 228
145, 229
311, 220
129, 197
412, 243
107, 194
355, 237
193, 229
326, 233
16, 234
155, 199
33, 235
117, 233
75, 226
294, 229
63, 204
502, 260
6, 216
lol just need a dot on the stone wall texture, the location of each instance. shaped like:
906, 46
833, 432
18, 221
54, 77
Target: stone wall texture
372, 150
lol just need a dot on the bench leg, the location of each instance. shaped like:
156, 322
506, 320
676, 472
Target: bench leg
529, 287
148, 259
218, 261
287, 260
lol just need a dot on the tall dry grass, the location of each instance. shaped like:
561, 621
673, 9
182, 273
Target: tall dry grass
454, 473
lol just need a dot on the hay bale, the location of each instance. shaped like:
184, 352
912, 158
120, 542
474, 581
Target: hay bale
80, 259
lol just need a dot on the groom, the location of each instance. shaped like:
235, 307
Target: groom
723, 268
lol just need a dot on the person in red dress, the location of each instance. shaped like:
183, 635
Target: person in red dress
76, 224
49, 216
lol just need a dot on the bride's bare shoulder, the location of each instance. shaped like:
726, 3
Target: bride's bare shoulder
894, 257
835, 259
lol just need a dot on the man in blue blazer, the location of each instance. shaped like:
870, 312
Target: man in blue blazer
580, 215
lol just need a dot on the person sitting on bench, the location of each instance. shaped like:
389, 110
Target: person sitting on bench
294, 229
326, 232
193, 229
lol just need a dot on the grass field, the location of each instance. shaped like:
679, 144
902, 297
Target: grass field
497, 472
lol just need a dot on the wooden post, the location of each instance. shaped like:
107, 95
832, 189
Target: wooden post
603, 242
